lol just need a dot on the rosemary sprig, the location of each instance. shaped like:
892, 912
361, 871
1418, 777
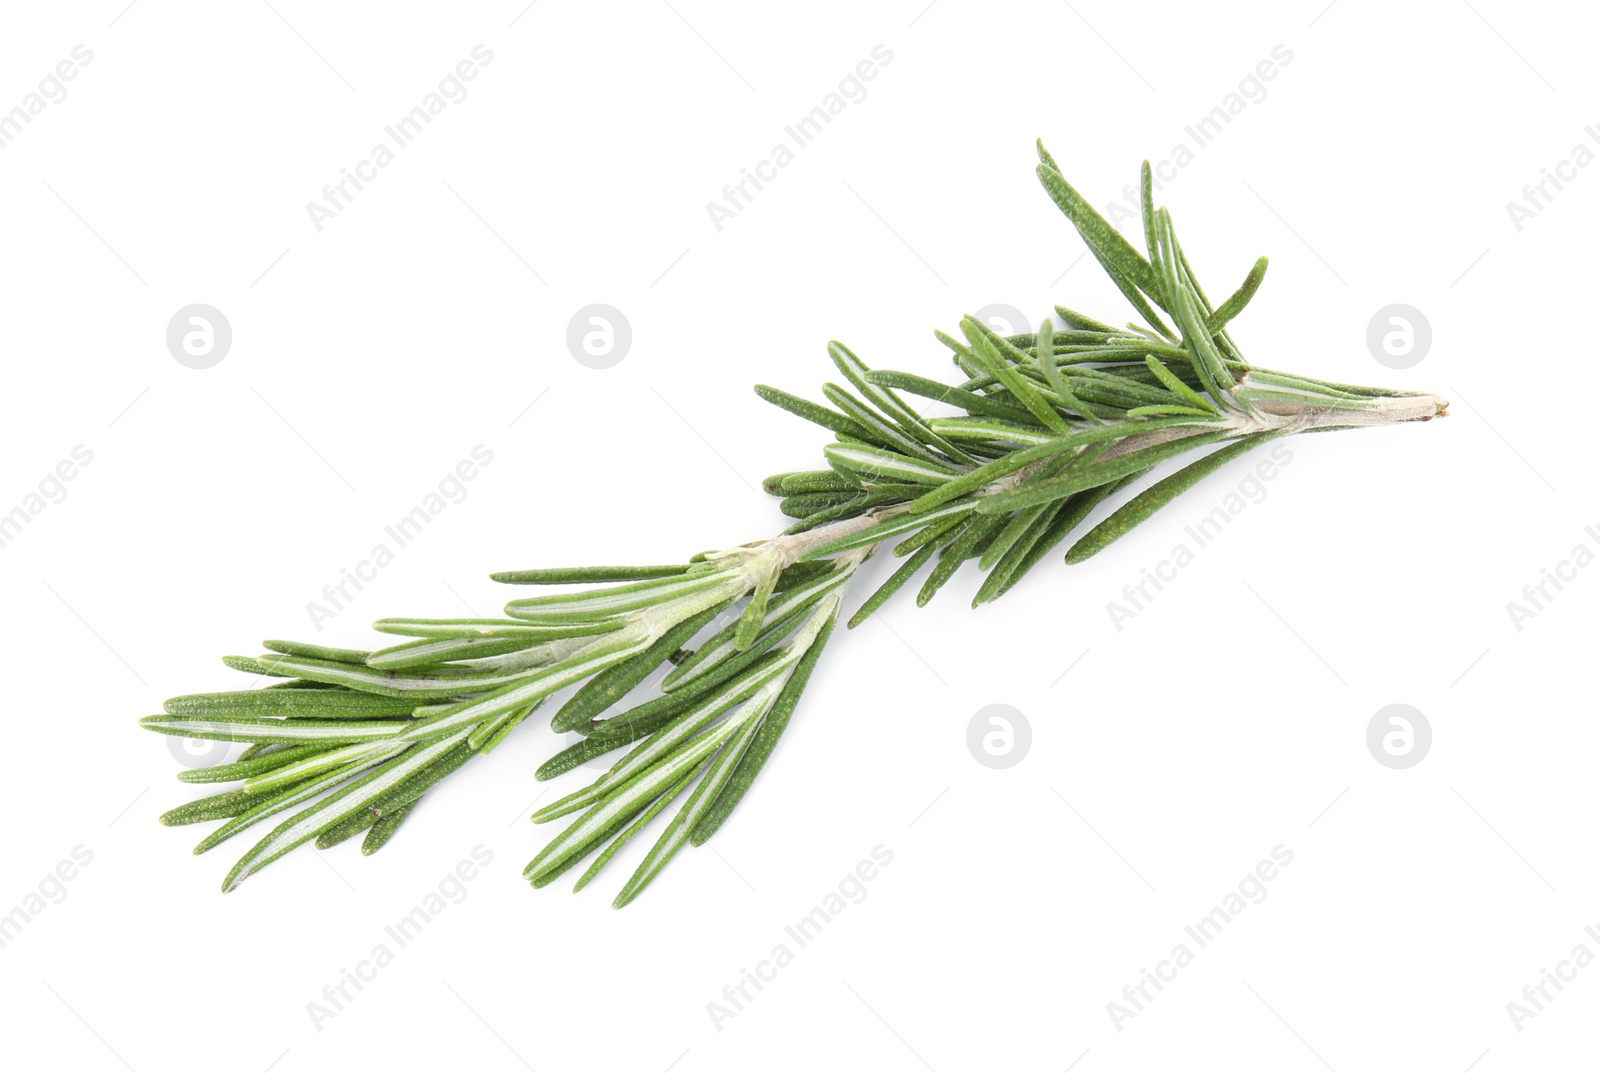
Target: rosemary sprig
1049, 426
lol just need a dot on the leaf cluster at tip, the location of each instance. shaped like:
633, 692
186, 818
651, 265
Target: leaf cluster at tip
1048, 425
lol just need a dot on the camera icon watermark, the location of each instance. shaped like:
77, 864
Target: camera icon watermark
1399, 736
199, 336
1399, 336
599, 336
998, 736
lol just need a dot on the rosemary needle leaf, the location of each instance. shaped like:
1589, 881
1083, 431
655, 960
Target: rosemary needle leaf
491, 628
535, 686
582, 752
897, 580
958, 552
1147, 212
961, 355
244, 729
895, 492
1084, 322
993, 360
328, 704
261, 807
856, 372
600, 604
1052, 372
316, 652
765, 740
491, 733
1194, 285
564, 575
719, 658
678, 831
755, 614
630, 831
307, 768
1044, 154
550, 876
880, 430
246, 664
812, 412
1023, 521
1016, 460
971, 402
567, 803
1105, 240
1067, 518
726, 666
417, 684
215, 807
892, 527
384, 828
1185, 309
929, 534
878, 463
1015, 527
626, 801
806, 504
849, 509
425, 652
1239, 299
606, 688
1030, 524
990, 429
1169, 409
679, 736
1117, 390
813, 481
397, 801
1157, 496
1176, 386
881, 396
1098, 473
347, 829
415, 786
313, 821
620, 731
1133, 294
990, 471
254, 765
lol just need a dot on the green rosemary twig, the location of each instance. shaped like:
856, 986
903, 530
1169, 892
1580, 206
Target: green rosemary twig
1049, 425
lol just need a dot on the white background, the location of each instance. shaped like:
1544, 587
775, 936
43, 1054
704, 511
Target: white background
430, 316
